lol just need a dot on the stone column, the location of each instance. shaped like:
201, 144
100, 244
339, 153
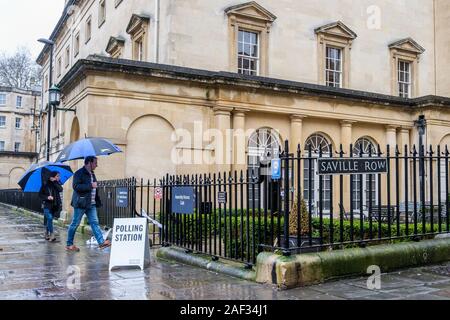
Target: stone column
296, 136
346, 140
391, 140
240, 141
403, 139
223, 145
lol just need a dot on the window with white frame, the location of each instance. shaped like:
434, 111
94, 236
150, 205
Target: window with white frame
67, 56
139, 49
333, 67
2, 122
2, 99
18, 123
88, 30
404, 79
76, 45
2, 145
16, 146
19, 102
248, 53
101, 12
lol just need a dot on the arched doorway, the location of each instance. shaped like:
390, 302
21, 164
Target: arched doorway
149, 147
364, 147
75, 130
14, 175
319, 145
263, 146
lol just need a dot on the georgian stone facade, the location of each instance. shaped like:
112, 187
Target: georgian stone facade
190, 53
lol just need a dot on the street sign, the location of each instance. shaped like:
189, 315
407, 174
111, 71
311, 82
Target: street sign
183, 200
122, 197
352, 166
158, 193
222, 197
130, 245
276, 169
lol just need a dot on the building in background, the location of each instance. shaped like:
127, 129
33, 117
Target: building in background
321, 73
19, 123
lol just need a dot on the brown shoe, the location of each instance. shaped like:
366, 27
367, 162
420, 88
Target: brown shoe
72, 248
47, 236
105, 244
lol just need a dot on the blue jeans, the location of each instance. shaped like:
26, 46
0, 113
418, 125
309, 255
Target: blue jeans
91, 214
49, 217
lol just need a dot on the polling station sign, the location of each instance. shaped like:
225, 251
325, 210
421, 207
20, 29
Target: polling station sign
130, 244
352, 166
122, 197
183, 200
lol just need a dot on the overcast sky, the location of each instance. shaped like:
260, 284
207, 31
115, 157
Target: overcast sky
22, 22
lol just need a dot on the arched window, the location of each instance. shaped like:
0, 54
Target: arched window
320, 146
364, 147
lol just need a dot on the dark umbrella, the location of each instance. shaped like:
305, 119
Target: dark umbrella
38, 173
87, 147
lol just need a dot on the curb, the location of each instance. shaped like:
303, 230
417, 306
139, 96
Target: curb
313, 268
229, 268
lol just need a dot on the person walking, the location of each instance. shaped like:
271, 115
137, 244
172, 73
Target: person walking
51, 198
85, 200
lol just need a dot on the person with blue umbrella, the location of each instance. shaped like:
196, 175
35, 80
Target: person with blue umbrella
50, 194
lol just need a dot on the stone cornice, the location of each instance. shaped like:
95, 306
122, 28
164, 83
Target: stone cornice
18, 154
97, 63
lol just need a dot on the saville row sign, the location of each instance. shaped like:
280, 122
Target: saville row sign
352, 166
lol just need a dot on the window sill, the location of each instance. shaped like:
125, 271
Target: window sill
101, 23
86, 42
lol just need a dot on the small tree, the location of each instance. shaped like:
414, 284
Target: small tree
19, 70
293, 218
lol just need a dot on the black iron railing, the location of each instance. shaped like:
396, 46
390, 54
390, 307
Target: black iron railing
18, 198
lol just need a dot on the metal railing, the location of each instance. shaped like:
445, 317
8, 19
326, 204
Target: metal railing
18, 198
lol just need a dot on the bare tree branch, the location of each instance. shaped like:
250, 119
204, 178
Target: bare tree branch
18, 70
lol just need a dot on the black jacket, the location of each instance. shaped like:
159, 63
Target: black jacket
82, 188
51, 189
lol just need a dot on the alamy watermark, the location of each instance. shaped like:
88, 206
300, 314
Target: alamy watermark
374, 280
73, 281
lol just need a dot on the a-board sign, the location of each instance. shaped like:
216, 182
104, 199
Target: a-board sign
222, 197
352, 166
130, 245
183, 200
122, 197
158, 193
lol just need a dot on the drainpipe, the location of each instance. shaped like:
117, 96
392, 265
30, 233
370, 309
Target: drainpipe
156, 47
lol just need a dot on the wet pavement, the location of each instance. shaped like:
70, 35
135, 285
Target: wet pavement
34, 269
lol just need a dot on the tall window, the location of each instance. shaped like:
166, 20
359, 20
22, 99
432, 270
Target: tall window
19, 102
404, 79
365, 182
137, 29
2, 145
18, 123
248, 53
333, 67
67, 56
2, 99
101, 13
16, 146
59, 66
139, 49
312, 186
76, 48
2, 122
88, 30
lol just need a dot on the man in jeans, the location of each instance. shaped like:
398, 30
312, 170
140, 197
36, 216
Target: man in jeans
85, 200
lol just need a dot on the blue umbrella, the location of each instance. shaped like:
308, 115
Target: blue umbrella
87, 147
32, 179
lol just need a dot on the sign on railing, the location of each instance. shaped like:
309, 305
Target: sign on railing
352, 166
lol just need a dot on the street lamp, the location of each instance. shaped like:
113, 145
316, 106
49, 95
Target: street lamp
54, 97
49, 112
421, 126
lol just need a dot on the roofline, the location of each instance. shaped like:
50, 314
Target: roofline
19, 90
100, 63
56, 30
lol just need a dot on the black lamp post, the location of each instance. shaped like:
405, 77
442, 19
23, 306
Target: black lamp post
49, 112
421, 126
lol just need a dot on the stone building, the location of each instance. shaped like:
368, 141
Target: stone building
19, 113
320, 73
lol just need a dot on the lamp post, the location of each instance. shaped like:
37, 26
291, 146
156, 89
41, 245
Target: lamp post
421, 125
49, 112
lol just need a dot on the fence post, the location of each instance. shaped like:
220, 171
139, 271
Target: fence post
286, 190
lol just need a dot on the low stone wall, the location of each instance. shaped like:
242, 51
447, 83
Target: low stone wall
313, 268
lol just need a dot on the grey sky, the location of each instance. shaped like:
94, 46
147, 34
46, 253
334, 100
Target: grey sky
22, 22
